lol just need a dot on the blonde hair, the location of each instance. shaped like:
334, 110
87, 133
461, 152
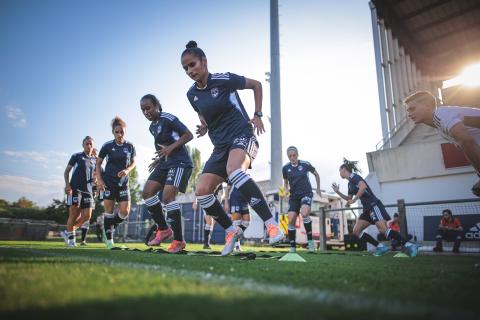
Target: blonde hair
422, 96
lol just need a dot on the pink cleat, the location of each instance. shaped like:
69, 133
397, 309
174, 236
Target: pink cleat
161, 236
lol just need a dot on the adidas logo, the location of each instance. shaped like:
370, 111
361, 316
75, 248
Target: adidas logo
195, 98
473, 233
254, 201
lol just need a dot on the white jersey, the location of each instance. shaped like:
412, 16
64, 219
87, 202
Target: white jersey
445, 118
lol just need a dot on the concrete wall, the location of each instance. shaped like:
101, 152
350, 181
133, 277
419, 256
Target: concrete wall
416, 172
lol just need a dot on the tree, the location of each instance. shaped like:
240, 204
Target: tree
4, 203
134, 186
23, 202
197, 168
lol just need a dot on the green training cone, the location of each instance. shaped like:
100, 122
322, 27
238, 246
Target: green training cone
292, 257
401, 255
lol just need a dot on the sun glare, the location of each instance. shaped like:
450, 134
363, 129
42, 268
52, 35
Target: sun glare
469, 77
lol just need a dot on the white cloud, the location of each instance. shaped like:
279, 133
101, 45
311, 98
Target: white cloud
40, 191
42, 157
16, 116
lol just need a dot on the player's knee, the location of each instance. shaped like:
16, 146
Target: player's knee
124, 212
147, 193
202, 191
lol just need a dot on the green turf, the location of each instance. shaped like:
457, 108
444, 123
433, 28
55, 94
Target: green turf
47, 280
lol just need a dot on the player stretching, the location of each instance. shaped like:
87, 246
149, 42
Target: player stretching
214, 97
113, 181
373, 210
295, 176
458, 125
171, 170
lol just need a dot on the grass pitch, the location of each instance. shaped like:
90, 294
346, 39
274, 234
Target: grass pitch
46, 280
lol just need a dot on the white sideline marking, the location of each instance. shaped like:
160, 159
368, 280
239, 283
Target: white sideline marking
345, 300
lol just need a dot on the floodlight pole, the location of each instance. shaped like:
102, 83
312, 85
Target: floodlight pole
275, 109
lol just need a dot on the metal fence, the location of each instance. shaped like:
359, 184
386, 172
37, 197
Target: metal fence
419, 220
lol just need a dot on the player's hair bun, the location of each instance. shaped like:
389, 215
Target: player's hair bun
191, 44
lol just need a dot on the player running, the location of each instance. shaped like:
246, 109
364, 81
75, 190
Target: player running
214, 97
170, 172
119, 155
79, 189
373, 210
297, 184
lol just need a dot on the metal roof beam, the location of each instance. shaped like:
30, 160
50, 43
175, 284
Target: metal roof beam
429, 7
446, 19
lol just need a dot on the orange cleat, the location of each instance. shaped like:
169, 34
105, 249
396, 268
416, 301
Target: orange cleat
275, 234
176, 246
230, 239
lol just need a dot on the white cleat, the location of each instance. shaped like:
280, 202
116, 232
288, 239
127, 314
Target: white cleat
230, 239
64, 235
275, 234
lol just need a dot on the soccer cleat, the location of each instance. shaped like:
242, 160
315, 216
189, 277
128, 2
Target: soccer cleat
293, 250
109, 244
412, 250
275, 234
71, 243
438, 249
230, 238
311, 246
207, 247
176, 246
64, 235
161, 236
380, 251
83, 243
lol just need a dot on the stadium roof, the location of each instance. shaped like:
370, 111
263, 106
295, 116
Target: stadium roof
442, 36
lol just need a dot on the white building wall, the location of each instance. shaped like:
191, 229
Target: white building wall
416, 172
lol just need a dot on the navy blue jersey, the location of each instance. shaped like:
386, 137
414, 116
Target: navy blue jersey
220, 105
167, 130
82, 173
368, 199
297, 177
117, 158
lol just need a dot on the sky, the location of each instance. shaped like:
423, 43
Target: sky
68, 67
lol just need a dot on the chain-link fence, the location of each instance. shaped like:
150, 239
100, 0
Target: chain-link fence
418, 221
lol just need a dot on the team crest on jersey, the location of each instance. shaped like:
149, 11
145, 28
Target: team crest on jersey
214, 92
125, 150
159, 129
300, 168
113, 149
195, 98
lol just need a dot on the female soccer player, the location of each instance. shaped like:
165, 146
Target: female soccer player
237, 206
373, 210
171, 170
79, 189
295, 176
214, 97
113, 181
